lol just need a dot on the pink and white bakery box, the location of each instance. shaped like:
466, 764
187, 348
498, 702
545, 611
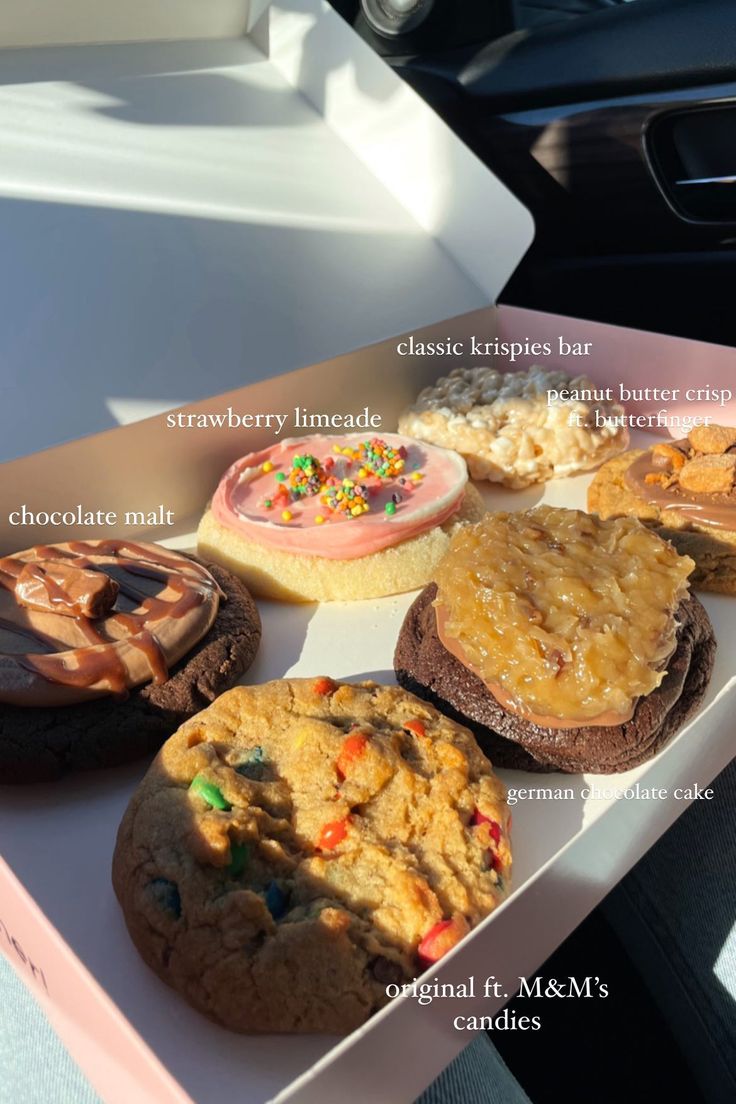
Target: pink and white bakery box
60, 924
452, 235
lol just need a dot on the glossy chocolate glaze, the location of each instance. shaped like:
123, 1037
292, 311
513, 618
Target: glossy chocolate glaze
64, 582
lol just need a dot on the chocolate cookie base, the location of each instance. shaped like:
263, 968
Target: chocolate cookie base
425, 667
39, 745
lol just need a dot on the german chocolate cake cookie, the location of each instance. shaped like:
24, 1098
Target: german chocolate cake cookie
316, 519
686, 491
300, 846
564, 642
106, 647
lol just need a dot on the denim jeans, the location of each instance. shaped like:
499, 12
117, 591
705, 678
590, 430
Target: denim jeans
675, 913
477, 1076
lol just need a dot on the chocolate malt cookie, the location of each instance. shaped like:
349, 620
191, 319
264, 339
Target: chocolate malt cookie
426, 668
299, 846
686, 491
564, 642
106, 647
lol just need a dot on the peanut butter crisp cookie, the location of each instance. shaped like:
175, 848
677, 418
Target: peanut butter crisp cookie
564, 642
318, 519
686, 491
299, 846
106, 647
519, 428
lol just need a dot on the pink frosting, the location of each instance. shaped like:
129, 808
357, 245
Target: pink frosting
427, 492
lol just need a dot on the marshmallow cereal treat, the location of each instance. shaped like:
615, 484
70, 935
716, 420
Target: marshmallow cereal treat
518, 428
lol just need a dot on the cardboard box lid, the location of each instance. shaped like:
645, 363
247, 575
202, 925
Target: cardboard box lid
47, 22
182, 218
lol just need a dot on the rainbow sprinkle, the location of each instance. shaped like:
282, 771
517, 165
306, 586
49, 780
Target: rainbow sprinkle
378, 457
307, 476
346, 497
373, 462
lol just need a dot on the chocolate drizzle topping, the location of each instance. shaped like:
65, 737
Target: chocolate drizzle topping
70, 583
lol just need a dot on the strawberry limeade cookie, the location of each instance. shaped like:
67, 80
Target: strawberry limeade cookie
330, 518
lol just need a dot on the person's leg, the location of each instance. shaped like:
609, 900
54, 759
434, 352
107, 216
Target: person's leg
477, 1076
676, 915
34, 1066
540, 13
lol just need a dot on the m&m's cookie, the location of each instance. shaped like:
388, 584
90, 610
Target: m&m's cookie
316, 519
300, 846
